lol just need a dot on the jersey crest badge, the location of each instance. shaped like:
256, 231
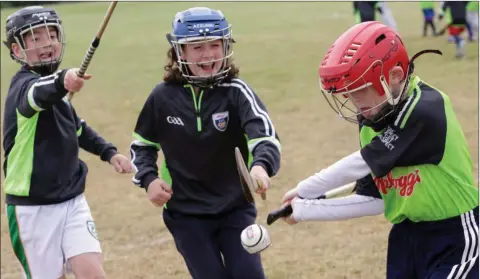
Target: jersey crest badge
92, 229
220, 120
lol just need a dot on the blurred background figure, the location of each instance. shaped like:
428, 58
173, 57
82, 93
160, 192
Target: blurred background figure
472, 19
428, 9
444, 14
365, 10
457, 10
387, 15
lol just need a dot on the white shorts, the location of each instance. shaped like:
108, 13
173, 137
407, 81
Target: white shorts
44, 237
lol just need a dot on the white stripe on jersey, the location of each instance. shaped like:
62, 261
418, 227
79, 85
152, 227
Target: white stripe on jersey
41, 82
54, 75
405, 108
259, 112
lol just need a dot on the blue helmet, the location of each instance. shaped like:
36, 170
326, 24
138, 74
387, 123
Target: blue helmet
196, 25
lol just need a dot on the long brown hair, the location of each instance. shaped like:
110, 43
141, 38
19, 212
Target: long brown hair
174, 75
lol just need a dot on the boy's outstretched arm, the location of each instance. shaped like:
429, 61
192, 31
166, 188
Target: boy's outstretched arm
92, 142
43, 92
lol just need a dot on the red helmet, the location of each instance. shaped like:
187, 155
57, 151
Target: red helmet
361, 57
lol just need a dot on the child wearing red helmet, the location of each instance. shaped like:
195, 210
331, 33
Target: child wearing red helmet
413, 165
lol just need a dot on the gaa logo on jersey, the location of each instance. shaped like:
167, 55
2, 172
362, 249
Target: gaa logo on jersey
220, 120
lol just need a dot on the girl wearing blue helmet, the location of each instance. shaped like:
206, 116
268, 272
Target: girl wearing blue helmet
197, 116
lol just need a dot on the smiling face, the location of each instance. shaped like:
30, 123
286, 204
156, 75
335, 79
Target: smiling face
42, 45
204, 58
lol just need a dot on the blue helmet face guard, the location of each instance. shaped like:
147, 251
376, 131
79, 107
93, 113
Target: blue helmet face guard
201, 26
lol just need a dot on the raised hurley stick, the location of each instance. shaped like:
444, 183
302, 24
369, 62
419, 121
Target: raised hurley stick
94, 45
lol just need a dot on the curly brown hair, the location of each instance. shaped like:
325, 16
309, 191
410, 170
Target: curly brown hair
174, 75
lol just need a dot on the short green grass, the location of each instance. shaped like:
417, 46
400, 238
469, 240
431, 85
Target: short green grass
279, 46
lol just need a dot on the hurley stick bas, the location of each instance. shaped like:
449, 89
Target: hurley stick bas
249, 185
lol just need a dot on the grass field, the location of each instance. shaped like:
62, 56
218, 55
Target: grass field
279, 46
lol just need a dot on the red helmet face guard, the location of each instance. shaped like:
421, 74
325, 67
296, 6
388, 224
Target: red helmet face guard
338, 93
